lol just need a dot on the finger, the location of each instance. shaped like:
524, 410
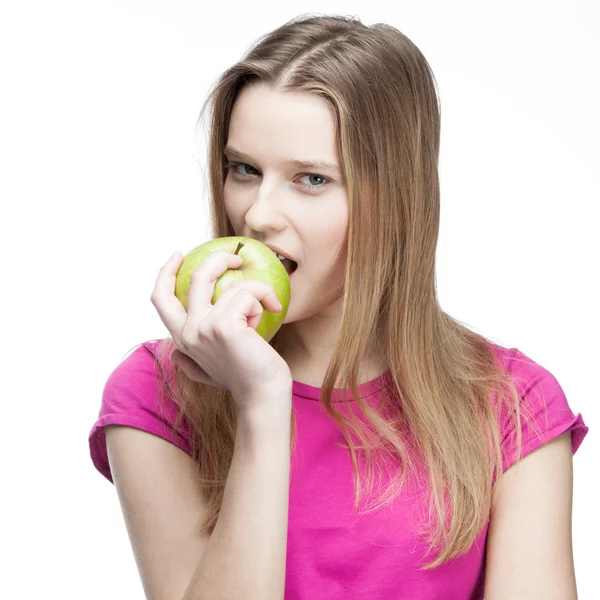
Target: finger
251, 309
258, 289
202, 283
262, 291
191, 368
170, 310
242, 302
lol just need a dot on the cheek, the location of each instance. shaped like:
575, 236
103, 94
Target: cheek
230, 211
236, 205
331, 251
335, 241
331, 226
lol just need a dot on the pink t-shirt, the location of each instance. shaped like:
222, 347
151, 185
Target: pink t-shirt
333, 552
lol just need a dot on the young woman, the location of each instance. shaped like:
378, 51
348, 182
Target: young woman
240, 464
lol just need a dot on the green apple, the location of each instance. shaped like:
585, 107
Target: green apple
260, 263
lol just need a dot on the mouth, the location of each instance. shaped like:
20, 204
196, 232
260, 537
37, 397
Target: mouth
290, 265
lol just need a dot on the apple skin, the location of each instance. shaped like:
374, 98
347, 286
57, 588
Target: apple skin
260, 263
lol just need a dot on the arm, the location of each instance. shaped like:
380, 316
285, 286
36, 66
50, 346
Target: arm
246, 555
529, 545
161, 500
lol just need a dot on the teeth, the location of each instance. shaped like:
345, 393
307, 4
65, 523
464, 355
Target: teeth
279, 256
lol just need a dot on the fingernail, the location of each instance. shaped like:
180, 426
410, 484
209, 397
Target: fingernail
174, 255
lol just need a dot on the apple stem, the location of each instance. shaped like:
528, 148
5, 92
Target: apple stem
239, 247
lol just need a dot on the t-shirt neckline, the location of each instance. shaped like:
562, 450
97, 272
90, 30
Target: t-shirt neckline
310, 392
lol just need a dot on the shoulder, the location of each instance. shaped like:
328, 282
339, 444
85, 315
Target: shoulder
530, 521
134, 395
136, 380
544, 410
142, 358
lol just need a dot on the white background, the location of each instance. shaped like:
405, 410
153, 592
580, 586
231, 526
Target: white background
102, 178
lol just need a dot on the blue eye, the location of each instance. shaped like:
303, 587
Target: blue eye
309, 188
238, 164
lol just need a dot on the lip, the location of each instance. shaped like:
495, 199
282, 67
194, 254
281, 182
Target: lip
280, 251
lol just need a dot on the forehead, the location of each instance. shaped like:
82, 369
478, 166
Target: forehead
282, 127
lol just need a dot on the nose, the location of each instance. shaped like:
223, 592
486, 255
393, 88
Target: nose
266, 210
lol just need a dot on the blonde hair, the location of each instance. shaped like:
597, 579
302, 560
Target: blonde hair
382, 94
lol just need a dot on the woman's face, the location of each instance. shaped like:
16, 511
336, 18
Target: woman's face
302, 210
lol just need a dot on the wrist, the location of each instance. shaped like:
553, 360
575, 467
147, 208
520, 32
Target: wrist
266, 408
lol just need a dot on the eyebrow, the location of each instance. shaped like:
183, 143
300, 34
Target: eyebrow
301, 164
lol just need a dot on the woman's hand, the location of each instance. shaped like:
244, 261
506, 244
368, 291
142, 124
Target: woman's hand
218, 345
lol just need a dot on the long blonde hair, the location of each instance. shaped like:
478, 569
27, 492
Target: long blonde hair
382, 93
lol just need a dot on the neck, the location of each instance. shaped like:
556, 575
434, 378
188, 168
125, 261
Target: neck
311, 366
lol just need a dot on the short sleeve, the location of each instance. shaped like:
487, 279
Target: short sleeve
545, 411
131, 397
